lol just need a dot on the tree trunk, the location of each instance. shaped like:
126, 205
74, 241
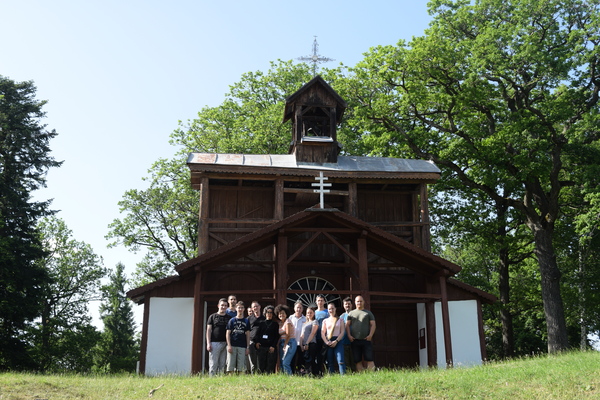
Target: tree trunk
550, 283
506, 318
583, 342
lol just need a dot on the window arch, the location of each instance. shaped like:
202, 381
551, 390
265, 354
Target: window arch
312, 283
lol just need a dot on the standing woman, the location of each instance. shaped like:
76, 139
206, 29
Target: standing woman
287, 343
308, 340
265, 342
332, 332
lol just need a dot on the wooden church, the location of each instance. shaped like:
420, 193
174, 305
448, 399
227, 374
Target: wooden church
281, 228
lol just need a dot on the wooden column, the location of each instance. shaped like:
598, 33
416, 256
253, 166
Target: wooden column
425, 233
144, 344
280, 270
203, 217
363, 269
430, 327
279, 211
481, 331
352, 199
198, 332
446, 322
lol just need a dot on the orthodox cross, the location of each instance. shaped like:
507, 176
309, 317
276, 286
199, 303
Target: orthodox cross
315, 58
321, 187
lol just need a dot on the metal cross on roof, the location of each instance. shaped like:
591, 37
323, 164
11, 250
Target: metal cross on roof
315, 58
321, 187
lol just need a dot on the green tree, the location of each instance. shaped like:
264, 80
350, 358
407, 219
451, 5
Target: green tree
498, 94
488, 240
64, 336
24, 161
162, 219
117, 350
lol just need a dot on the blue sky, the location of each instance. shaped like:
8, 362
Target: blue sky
119, 75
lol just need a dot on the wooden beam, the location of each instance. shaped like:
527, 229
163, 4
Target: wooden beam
311, 191
446, 322
416, 216
259, 173
203, 217
280, 270
403, 301
264, 221
431, 336
431, 296
352, 199
304, 246
339, 246
363, 270
481, 331
330, 230
233, 230
425, 234
278, 212
144, 343
198, 332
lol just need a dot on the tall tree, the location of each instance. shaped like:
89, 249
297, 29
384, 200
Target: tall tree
117, 350
64, 335
24, 161
499, 94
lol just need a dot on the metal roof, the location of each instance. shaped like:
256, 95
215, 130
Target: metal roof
345, 163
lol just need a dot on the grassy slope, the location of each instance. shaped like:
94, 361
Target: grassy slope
567, 376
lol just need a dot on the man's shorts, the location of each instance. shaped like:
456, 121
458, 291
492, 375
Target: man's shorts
362, 350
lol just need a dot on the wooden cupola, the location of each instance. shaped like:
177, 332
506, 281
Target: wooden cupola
315, 110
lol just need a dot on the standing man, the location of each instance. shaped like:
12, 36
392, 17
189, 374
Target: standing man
238, 340
345, 341
360, 329
232, 300
254, 320
320, 315
298, 320
216, 340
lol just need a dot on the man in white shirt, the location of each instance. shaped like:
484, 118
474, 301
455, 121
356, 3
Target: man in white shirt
298, 320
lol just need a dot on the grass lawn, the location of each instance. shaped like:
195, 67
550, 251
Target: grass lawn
573, 375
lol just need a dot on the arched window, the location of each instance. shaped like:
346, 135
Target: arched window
312, 283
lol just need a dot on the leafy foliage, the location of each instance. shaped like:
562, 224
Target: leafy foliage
117, 350
24, 160
498, 94
64, 336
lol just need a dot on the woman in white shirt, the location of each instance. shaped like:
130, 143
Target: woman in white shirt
332, 332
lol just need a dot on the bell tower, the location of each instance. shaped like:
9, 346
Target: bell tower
315, 110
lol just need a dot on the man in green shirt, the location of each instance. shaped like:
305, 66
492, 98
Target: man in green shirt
360, 328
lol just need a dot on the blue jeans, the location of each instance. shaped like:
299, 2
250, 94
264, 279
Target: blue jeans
335, 354
286, 359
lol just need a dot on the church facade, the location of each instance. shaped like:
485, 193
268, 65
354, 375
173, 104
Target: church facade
282, 228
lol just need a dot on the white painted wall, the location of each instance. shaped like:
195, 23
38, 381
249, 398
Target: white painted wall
422, 324
464, 331
169, 348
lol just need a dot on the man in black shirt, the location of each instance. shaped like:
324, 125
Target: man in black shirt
216, 342
254, 320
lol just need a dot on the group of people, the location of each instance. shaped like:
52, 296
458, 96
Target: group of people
299, 344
